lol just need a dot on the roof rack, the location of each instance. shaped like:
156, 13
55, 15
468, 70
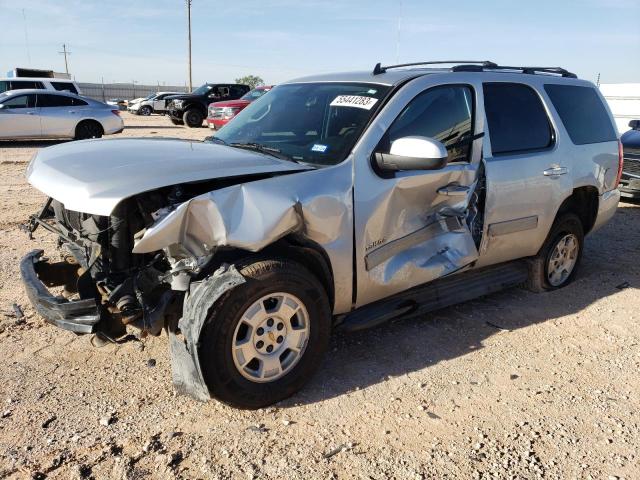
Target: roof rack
480, 66
378, 69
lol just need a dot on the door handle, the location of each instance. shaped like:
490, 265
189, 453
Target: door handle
453, 190
31, 113
555, 171
72, 111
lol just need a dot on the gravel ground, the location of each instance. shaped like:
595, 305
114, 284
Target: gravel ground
515, 385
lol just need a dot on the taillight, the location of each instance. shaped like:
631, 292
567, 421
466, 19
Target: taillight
620, 164
116, 112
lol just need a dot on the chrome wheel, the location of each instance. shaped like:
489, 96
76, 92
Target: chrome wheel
562, 260
270, 337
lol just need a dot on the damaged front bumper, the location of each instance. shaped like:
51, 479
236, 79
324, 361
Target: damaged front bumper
79, 316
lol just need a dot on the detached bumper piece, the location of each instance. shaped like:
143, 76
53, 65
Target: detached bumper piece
79, 316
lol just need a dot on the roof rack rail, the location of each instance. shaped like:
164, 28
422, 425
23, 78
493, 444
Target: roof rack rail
527, 70
479, 66
378, 69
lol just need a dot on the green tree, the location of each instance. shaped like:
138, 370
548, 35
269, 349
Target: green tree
252, 80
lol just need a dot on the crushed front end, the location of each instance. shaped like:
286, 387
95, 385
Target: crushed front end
101, 286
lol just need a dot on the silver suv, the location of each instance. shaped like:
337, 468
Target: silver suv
334, 201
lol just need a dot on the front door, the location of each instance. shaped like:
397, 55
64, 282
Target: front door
411, 226
19, 117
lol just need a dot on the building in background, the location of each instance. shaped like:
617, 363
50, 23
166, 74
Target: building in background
624, 102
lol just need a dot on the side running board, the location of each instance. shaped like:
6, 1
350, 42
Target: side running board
438, 294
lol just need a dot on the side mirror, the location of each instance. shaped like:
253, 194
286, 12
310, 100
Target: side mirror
634, 124
413, 153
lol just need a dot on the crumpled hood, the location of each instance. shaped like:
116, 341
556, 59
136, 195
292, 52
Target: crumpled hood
93, 176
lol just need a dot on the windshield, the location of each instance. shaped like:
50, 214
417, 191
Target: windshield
254, 94
202, 89
316, 123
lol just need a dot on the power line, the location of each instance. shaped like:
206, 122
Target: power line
189, 28
65, 53
26, 36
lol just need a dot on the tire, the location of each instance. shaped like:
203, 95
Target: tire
226, 323
192, 118
177, 122
88, 129
568, 229
145, 110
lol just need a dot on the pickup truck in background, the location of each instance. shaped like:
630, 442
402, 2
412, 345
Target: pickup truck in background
220, 113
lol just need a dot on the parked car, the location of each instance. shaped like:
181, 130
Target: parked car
630, 181
335, 201
154, 103
119, 103
54, 84
45, 114
190, 109
221, 112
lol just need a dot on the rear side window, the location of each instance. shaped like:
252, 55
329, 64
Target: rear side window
582, 113
64, 86
24, 84
79, 103
45, 101
516, 117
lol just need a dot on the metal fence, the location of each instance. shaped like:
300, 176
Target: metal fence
125, 91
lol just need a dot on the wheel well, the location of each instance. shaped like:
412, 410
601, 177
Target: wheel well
584, 203
89, 120
291, 247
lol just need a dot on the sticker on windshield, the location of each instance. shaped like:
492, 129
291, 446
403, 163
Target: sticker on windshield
354, 101
319, 148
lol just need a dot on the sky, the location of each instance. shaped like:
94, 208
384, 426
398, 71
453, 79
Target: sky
146, 40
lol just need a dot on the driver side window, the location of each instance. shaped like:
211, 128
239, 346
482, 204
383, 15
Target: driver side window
442, 113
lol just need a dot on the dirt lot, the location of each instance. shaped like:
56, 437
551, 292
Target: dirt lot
516, 385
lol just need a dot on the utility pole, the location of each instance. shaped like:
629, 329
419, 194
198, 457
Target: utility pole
65, 53
189, 27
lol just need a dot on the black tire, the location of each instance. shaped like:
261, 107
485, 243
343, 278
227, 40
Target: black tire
263, 277
145, 110
177, 122
88, 129
567, 223
192, 118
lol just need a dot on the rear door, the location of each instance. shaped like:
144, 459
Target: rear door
410, 226
528, 176
59, 114
19, 117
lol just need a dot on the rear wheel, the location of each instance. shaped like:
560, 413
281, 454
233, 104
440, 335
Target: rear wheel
88, 129
557, 261
192, 118
265, 338
145, 110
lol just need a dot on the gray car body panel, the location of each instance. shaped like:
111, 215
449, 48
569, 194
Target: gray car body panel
93, 176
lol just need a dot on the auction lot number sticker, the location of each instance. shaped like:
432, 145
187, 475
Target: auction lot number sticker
354, 101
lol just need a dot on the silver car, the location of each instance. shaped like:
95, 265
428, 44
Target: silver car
45, 114
336, 201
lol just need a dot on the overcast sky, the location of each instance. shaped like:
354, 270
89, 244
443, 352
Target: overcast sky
146, 41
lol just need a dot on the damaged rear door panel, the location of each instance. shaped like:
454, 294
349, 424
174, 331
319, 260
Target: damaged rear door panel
412, 227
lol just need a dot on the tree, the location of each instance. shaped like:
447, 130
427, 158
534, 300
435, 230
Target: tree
252, 80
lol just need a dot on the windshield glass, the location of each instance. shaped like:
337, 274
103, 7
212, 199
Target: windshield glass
315, 123
254, 94
202, 89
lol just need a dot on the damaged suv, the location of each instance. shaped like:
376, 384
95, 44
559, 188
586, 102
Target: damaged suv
336, 201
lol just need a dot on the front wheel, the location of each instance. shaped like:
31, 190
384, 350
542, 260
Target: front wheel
177, 122
145, 110
557, 262
192, 118
264, 339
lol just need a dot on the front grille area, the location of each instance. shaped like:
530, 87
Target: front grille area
631, 164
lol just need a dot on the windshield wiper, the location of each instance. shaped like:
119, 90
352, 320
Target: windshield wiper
274, 152
215, 139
